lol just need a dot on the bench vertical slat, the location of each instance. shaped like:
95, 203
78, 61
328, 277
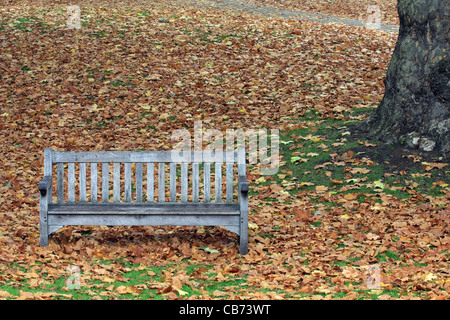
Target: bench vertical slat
207, 181
184, 182
82, 182
218, 182
195, 182
71, 182
162, 182
150, 182
60, 181
139, 182
229, 182
105, 182
116, 182
127, 182
173, 182
94, 182
241, 161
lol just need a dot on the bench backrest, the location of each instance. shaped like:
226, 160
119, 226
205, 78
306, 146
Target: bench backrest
135, 180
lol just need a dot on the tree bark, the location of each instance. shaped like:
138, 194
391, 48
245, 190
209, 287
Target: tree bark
415, 109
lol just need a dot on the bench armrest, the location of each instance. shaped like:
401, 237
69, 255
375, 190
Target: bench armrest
243, 184
45, 185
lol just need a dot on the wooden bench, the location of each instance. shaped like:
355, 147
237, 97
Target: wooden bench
129, 205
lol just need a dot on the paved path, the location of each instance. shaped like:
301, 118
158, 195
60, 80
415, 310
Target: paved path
251, 8
241, 6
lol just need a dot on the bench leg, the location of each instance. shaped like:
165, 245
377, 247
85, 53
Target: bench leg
43, 223
243, 238
43, 238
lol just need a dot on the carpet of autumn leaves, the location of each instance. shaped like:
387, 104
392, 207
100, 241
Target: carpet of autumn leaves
130, 76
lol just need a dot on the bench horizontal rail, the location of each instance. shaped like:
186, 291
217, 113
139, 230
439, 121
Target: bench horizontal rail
162, 219
143, 156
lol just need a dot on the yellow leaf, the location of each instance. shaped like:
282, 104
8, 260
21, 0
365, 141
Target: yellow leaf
429, 276
108, 280
260, 180
181, 292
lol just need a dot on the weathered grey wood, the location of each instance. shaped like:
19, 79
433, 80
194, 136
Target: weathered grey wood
207, 182
45, 193
116, 182
229, 182
162, 182
126, 156
243, 223
45, 197
127, 182
150, 182
139, 182
241, 161
60, 182
235, 229
231, 215
184, 182
126, 219
218, 183
105, 182
82, 167
94, 182
195, 182
52, 229
173, 182
144, 208
71, 182
48, 169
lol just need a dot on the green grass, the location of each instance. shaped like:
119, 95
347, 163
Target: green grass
141, 278
308, 154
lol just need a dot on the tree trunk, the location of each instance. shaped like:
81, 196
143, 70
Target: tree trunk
415, 109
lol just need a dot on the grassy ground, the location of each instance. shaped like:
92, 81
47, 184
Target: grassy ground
338, 204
